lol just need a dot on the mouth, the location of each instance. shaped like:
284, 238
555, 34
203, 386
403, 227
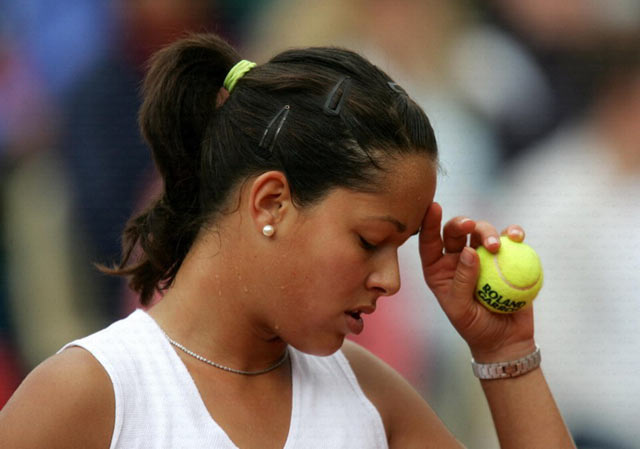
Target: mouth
355, 322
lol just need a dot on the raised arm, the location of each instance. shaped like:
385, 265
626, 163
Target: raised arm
523, 408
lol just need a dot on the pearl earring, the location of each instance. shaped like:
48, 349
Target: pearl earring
268, 230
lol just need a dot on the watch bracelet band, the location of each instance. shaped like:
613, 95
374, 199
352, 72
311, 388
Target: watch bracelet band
504, 370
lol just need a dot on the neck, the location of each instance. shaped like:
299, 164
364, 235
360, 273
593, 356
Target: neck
212, 309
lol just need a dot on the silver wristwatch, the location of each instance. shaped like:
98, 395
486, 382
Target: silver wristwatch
507, 369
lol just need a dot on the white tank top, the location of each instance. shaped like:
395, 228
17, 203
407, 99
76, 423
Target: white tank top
157, 404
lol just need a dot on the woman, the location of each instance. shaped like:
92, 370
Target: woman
288, 188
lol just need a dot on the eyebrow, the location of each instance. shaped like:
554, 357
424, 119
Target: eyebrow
401, 227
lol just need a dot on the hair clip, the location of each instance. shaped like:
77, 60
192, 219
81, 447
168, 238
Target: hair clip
269, 139
396, 88
333, 106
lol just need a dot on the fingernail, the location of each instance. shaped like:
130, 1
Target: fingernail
516, 233
466, 257
492, 240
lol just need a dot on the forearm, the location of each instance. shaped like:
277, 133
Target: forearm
525, 414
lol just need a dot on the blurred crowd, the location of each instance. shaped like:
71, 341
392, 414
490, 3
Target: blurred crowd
536, 107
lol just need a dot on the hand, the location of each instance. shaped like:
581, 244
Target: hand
450, 269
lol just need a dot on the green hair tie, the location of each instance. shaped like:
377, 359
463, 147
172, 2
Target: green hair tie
237, 72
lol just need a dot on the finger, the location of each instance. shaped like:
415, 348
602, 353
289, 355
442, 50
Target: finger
485, 234
514, 232
463, 286
456, 232
430, 241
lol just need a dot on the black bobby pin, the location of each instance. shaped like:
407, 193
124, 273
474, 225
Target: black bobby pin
269, 138
333, 106
396, 87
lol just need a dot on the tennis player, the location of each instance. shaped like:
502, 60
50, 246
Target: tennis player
288, 188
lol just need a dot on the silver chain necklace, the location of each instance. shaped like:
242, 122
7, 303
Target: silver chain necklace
226, 368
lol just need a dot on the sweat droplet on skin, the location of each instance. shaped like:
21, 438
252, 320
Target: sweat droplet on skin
246, 289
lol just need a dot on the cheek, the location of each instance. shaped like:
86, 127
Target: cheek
336, 264
325, 268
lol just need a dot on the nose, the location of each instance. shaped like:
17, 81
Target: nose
385, 277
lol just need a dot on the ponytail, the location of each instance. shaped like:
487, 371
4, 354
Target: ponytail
179, 100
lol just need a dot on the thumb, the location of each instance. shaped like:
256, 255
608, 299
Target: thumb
464, 279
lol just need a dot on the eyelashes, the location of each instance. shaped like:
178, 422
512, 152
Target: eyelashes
371, 247
366, 245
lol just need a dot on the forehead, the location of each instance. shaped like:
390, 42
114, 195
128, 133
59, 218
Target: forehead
409, 184
404, 192
409, 174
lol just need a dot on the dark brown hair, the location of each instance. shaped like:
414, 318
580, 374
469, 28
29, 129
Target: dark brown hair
345, 118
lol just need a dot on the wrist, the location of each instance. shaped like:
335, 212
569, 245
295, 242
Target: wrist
507, 369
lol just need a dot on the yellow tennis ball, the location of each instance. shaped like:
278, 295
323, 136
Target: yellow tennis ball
510, 279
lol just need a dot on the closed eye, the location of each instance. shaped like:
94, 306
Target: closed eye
366, 245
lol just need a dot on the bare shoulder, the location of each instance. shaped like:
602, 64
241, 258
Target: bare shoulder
67, 401
408, 419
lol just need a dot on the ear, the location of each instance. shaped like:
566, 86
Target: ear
269, 199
